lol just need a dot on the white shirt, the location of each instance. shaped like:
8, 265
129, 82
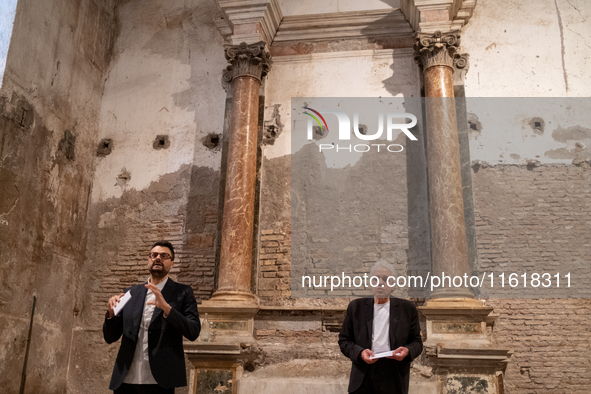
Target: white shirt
139, 371
380, 339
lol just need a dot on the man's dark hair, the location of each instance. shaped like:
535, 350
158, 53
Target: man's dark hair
165, 244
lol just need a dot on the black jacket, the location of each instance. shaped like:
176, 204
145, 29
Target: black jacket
356, 336
165, 335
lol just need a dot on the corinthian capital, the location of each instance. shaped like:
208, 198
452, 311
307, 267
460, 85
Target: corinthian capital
247, 60
437, 49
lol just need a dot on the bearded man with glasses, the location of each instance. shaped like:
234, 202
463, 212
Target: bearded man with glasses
152, 323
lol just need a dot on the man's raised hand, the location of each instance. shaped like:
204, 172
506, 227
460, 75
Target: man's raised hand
159, 301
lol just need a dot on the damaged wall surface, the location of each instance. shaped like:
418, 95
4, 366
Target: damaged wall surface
159, 179
49, 107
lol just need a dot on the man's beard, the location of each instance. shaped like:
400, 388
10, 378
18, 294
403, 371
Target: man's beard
158, 274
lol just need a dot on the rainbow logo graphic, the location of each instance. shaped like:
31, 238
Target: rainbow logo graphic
315, 118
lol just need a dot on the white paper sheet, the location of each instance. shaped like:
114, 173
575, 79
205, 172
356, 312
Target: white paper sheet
382, 355
124, 300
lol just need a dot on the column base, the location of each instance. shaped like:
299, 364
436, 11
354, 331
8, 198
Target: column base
230, 317
451, 292
457, 335
230, 300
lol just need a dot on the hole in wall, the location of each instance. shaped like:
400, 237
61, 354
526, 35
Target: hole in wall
161, 142
362, 129
531, 164
474, 125
105, 147
537, 125
211, 141
318, 132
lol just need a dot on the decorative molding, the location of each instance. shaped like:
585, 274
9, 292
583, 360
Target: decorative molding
248, 21
463, 14
428, 16
246, 60
339, 25
461, 67
438, 49
375, 54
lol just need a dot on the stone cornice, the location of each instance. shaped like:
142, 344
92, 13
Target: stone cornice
428, 16
248, 21
339, 25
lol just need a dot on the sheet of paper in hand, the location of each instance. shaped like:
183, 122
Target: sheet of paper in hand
124, 300
382, 355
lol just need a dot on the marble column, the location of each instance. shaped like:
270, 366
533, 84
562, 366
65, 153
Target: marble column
436, 54
248, 65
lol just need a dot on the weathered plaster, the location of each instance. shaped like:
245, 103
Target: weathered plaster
173, 49
387, 73
528, 49
48, 118
508, 134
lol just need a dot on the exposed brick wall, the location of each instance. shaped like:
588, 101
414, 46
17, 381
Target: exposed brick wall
386, 220
538, 219
274, 278
128, 266
117, 256
551, 340
534, 220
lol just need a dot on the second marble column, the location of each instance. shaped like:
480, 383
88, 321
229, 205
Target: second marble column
436, 54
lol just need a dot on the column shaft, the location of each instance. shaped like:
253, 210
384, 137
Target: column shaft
448, 231
248, 65
238, 219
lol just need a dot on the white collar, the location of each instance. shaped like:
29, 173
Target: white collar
160, 285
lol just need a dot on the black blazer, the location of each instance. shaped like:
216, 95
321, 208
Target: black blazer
356, 335
165, 335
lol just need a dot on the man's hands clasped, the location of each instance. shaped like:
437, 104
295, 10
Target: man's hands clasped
366, 354
399, 355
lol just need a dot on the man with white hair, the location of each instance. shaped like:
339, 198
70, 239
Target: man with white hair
376, 325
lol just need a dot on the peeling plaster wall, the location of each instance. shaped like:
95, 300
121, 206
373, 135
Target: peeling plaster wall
531, 185
539, 49
528, 48
164, 82
289, 337
369, 73
49, 110
529, 131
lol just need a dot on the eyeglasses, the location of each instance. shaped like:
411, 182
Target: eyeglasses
163, 256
